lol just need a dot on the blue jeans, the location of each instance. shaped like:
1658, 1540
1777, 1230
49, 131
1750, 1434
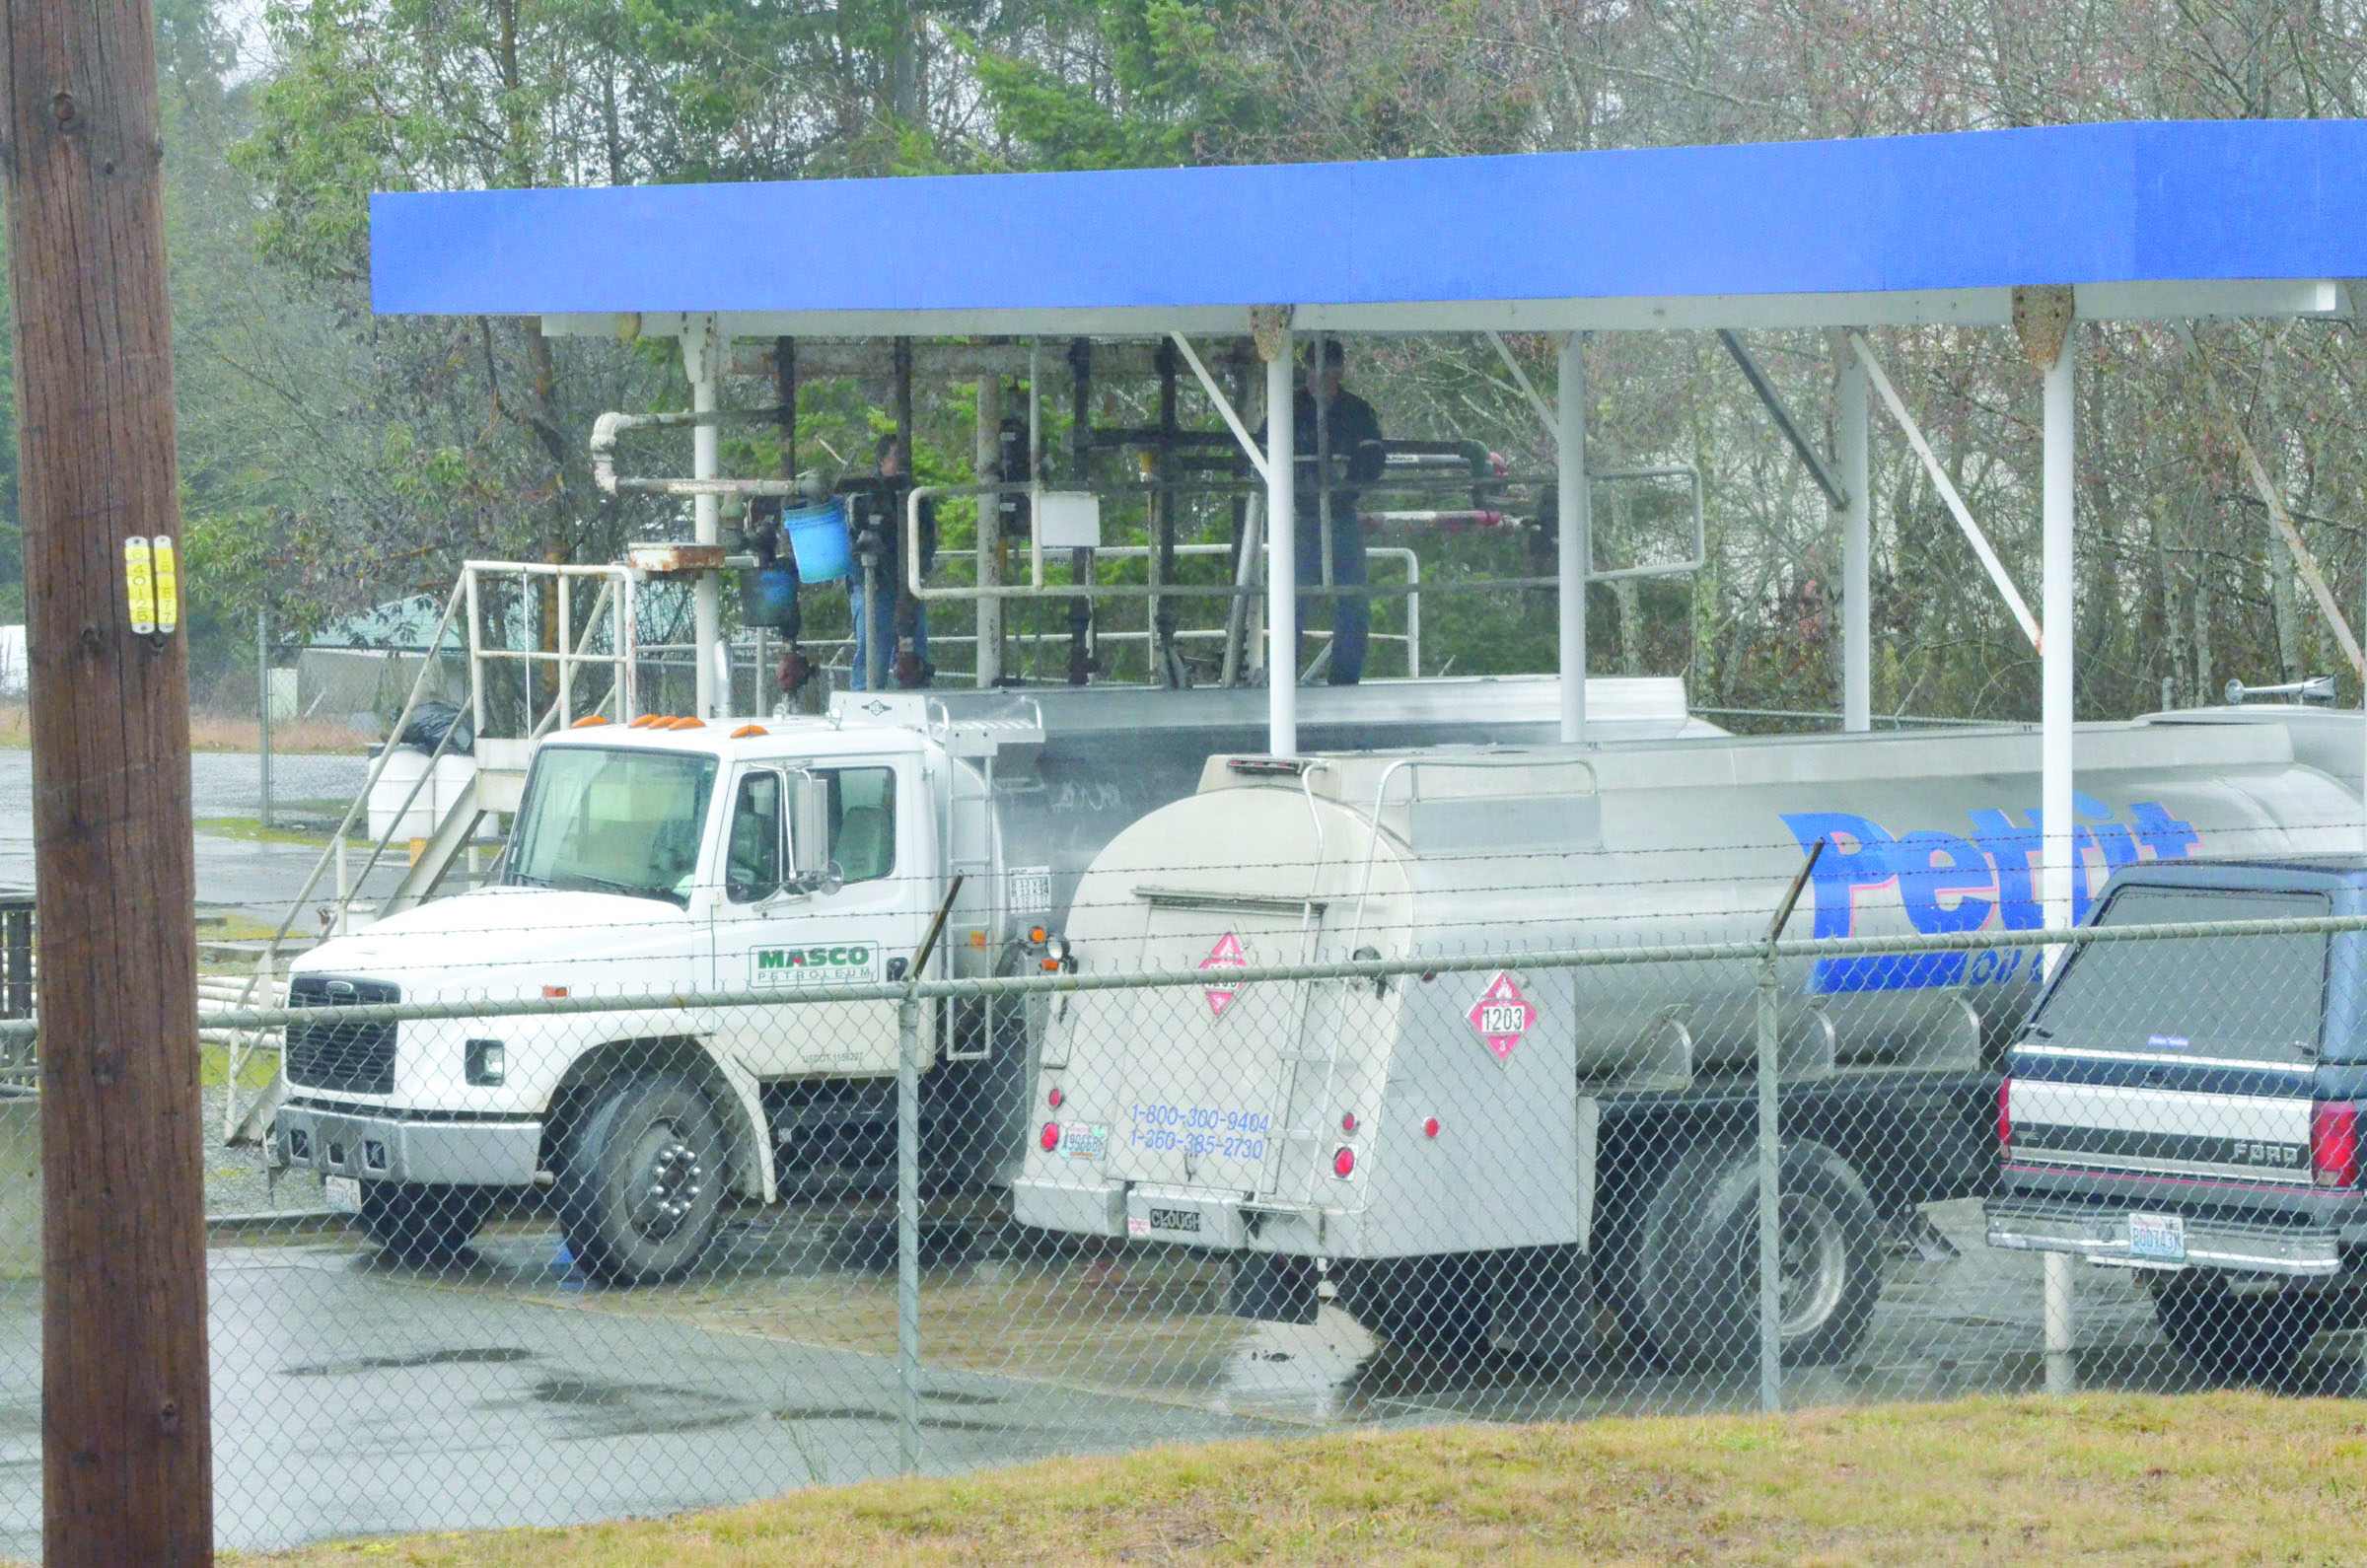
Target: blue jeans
880, 623
1351, 614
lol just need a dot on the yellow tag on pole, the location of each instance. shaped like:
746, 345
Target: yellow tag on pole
139, 583
168, 586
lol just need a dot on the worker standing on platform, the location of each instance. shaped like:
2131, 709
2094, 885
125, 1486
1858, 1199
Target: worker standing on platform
896, 618
1338, 430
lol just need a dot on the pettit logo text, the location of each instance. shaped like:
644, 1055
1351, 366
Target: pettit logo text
1965, 880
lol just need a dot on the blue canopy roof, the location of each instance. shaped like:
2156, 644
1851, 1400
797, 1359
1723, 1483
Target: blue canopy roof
2106, 205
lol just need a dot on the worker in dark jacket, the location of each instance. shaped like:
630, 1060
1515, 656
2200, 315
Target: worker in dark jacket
1348, 435
895, 620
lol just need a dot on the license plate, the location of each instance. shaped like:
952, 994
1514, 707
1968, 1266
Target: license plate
1083, 1140
2161, 1237
343, 1193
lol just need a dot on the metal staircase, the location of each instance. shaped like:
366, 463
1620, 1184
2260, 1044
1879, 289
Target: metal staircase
587, 667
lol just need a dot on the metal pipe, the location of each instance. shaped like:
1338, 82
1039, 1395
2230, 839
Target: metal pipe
1545, 411
1245, 577
1281, 560
1836, 491
701, 352
1575, 531
669, 1001
987, 462
907, 1229
1857, 527
1947, 489
1079, 444
1322, 461
1771, 1165
2062, 1373
262, 712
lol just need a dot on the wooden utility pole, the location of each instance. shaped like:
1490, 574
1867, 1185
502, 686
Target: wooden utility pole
127, 1445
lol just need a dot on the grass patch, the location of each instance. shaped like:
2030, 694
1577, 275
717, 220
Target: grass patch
251, 828
213, 731
255, 1072
2202, 1479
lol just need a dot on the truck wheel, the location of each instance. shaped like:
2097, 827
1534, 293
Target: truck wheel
2224, 1334
419, 1222
1697, 1259
640, 1181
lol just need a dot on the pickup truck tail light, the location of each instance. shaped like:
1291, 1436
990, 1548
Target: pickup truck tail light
2005, 1116
2334, 1144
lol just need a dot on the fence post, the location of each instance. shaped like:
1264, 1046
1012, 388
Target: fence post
1770, 1243
262, 710
907, 1231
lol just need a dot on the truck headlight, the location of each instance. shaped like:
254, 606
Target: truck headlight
487, 1062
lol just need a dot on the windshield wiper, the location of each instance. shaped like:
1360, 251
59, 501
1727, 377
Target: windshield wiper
522, 878
584, 879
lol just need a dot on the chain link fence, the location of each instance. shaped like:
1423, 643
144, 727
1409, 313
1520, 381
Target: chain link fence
793, 1231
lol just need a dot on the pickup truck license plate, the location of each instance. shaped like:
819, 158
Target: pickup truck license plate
2159, 1236
344, 1194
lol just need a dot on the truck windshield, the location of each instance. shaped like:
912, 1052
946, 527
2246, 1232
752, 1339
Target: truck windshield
2253, 998
612, 820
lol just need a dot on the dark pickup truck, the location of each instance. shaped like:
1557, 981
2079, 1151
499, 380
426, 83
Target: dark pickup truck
2189, 1107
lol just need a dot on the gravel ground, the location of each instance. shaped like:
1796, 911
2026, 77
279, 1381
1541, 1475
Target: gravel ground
236, 1181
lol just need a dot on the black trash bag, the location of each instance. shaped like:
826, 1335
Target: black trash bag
429, 723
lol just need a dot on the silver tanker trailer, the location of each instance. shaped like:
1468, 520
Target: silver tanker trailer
1467, 1158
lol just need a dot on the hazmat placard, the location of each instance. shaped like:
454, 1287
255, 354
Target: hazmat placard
1226, 955
1502, 1017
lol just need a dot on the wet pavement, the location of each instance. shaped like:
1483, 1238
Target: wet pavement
235, 874
357, 1396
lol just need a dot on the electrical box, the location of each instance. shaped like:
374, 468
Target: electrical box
1068, 520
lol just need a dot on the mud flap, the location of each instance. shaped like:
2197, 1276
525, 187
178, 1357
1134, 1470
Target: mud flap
1274, 1288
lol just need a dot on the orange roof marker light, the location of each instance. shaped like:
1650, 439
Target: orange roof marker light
586, 722
643, 722
747, 730
683, 721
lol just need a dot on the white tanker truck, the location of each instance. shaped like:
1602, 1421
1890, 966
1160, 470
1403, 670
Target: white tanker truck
1464, 1158
671, 856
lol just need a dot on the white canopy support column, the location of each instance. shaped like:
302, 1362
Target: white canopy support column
703, 352
1857, 529
1281, 555
2056, 644
1575, 531
2044, 320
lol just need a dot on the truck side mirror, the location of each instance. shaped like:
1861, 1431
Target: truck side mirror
810, 833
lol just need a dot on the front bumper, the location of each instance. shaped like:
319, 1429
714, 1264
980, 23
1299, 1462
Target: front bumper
2101, 1235
490, 1153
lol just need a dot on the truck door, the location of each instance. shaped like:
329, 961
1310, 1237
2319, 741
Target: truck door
770, 934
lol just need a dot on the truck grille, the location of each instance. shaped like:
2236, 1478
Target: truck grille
357, 1058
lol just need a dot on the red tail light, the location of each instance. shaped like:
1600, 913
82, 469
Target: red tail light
1049, 1137
1343, 1163
2335, 1145
2005, 1118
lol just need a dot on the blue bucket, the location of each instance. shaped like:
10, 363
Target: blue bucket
818, 540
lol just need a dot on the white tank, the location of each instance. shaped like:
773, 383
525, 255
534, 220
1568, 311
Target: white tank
1453, 852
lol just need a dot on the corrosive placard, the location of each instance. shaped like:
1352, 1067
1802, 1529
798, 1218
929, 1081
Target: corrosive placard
1226, 955
1502, 1015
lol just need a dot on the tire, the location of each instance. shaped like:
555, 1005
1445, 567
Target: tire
419, 1223
1436, 1306
1694, 1256
641, 1179
2226, 1336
